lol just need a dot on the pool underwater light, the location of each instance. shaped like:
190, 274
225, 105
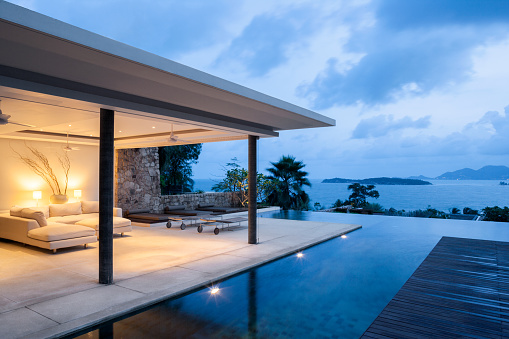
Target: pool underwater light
344, 236
214, 290
300, 255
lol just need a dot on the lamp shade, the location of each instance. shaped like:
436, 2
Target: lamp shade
37, 195
77, 194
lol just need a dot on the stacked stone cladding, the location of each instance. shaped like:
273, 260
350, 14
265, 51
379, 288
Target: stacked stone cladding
138, 184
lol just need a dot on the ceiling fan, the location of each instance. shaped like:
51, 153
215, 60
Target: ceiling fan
68, 148
4, 119
174, 138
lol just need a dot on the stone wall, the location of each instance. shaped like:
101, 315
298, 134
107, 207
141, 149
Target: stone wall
192, 200
138, 184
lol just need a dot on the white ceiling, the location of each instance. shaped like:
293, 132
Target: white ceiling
50, 114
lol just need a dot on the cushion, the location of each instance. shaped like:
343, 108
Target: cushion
43, 209
72, 219
36, 215
56, 232
205, 205
175, 208
58, 210
128, 212
90, 206
94, 222
16, 211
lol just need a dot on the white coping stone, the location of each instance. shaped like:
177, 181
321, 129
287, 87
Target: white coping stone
163, 280
23, 322
83, 303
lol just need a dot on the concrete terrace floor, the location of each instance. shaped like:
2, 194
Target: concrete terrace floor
48, 295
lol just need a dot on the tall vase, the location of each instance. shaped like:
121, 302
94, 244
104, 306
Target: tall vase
58, 199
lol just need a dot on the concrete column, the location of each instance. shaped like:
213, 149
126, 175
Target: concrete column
251, 178
106, 176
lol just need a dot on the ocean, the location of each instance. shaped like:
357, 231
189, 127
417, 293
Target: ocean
442, 195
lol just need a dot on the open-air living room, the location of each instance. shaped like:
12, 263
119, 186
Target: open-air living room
82, 118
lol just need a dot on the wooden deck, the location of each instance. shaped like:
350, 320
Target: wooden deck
460, 290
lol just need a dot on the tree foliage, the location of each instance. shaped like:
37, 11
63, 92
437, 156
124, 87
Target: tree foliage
496, 214
175, 165
288, 180
360, 193
236, 180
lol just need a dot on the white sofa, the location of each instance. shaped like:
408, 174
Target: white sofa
58, 226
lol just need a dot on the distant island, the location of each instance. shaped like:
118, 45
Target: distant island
485, 173
378, 181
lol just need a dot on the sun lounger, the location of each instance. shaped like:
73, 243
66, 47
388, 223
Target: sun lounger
144, 216
219, 209
182, 218
181, 210
222, 222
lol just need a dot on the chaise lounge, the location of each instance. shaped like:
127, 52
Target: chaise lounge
58, 226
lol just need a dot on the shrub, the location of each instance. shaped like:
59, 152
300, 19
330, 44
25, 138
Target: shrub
468, 210
375, 207
496, 214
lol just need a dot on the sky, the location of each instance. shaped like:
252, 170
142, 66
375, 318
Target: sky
415, 87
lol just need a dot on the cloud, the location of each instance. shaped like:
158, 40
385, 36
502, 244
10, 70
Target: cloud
382, 125
488, 136
265, 41
411, 49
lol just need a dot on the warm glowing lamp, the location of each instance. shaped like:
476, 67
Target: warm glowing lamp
37, 195
77, 194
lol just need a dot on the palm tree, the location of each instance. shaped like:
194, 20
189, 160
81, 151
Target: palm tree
289, 181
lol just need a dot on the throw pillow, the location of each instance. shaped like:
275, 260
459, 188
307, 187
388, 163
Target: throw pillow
90, 206
36, 215
61, 210
16, 211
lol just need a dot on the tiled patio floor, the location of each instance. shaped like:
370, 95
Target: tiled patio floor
45, 295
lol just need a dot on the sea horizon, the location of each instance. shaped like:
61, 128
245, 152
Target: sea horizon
443, 195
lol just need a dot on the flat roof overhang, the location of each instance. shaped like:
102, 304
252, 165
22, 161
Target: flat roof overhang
48, 65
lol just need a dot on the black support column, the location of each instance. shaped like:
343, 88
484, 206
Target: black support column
251, 178
106, 177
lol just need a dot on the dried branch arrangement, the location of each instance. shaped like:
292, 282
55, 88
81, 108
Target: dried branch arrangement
39, 163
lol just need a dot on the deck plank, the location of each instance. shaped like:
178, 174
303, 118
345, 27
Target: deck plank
460, 289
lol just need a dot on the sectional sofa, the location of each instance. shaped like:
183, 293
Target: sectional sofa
58, 225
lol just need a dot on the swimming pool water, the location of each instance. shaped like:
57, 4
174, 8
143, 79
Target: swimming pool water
334, 291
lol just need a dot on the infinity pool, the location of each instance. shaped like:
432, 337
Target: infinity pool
336, 289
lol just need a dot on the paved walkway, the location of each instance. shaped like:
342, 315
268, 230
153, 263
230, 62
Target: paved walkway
44, 295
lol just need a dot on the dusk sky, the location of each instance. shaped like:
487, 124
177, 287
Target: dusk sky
416, 87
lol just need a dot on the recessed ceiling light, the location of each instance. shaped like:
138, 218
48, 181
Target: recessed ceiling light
153, 127
119, 131
70, 125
